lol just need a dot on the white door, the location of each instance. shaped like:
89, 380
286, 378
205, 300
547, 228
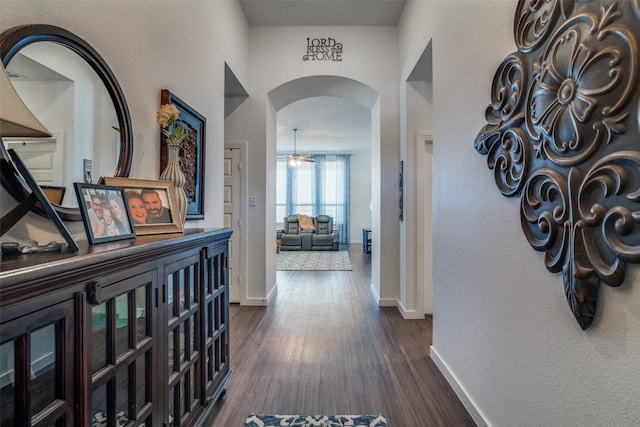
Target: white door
40, 158
428, 231
424, 243
232, 197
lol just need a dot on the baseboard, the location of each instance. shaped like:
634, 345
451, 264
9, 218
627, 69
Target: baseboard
408, 314
261, 302
375, 293
386, 302
258, 302
458, 388
272, 294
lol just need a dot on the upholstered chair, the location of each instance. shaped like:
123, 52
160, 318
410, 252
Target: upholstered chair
291, 236
325, 237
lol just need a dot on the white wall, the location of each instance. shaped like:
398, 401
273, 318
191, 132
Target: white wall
177, 45
360, 194
503, 331
276, 58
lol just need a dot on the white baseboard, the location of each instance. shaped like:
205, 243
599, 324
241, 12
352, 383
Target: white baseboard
258, 302
374, 292
408, 314
386, 302
272, 294
458, 388
261, 302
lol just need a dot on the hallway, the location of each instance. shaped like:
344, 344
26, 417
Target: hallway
324, 347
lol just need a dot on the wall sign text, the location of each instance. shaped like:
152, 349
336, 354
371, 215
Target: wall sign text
323, 49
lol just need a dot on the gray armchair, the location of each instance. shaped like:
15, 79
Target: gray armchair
292, 235
323, 238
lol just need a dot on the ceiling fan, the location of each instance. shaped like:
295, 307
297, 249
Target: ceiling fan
296, 159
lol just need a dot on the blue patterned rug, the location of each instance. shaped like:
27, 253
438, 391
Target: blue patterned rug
256, 420
313, 261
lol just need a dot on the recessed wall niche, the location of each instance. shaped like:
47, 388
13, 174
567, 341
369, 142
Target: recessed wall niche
563, 134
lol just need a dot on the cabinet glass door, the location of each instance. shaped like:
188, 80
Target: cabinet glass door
215, 302
184, 400
122, 354
36, 369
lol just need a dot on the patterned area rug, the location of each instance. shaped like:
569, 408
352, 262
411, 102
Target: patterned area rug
313, 261
255, 420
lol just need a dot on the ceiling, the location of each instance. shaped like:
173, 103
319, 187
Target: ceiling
305, 13
326, 124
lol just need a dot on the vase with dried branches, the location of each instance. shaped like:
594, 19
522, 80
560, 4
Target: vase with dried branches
175, 134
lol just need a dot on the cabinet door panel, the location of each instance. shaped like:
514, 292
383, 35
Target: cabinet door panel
122, 352
215, 308
36, 368
184, 361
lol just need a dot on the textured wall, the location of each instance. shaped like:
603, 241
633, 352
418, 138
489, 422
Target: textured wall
502, 326
148, 49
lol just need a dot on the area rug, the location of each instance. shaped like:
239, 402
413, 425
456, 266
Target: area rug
313, 261
256, 420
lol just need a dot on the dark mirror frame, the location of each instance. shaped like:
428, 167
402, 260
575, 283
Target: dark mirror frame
14, 39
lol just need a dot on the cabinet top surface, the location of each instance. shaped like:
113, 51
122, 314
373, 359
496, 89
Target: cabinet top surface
12, 265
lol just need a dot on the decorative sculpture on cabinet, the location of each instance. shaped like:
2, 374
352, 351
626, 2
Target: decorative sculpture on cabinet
563, 133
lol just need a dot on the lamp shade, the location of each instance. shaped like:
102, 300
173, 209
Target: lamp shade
15, 118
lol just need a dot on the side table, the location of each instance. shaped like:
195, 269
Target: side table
366, 240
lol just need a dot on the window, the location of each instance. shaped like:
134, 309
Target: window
318, 188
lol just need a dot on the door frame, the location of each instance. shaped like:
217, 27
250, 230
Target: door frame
243, 146
424, 281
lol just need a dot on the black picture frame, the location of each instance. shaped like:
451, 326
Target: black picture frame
111, 199
192, 155
37, 195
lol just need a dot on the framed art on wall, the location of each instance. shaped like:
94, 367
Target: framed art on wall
192, 153
104, 212
152, 205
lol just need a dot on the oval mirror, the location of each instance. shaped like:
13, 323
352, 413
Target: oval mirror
72, 91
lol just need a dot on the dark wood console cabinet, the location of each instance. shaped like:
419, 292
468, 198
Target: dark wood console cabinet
127, 333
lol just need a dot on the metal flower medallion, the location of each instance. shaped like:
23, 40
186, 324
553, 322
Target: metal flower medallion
563, 133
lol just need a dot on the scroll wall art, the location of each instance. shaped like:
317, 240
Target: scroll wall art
563, 134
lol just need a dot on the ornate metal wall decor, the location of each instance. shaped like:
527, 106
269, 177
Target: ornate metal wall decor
563, 133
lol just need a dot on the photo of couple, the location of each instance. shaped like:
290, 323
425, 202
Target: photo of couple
148, 206
151, 204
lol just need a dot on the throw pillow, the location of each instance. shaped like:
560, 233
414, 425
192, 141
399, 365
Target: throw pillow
306, 222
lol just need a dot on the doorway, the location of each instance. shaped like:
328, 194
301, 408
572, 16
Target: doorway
235, 217
368, 99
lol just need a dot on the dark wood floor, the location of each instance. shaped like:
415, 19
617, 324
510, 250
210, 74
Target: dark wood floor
323, 346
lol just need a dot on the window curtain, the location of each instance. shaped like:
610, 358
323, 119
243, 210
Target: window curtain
291, 189
343, 213
319, 184
320, 188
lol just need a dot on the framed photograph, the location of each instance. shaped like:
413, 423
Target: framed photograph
153, 205
104, 212
192, 153
37, 195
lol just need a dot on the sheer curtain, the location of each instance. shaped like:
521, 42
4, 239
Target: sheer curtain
318, 188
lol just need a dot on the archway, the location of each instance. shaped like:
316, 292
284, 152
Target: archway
342, 87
